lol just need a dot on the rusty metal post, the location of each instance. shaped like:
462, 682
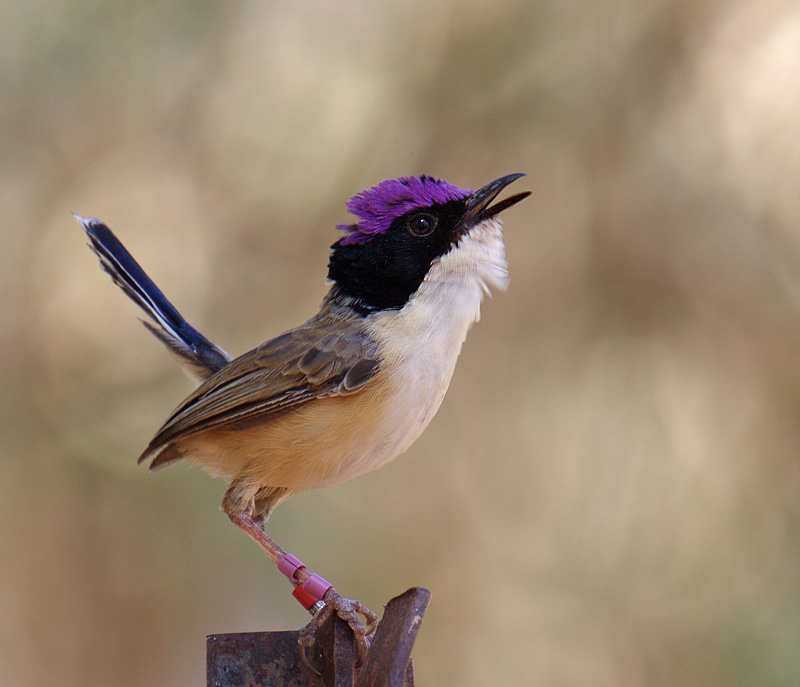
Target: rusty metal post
272, 659
388, 662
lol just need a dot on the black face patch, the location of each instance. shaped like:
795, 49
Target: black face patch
384, 272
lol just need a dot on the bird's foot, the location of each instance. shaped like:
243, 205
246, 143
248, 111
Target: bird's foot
349, 610
318, 596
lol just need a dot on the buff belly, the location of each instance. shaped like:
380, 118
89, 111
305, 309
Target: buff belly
325, 442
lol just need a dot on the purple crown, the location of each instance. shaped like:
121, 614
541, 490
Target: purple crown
377, 207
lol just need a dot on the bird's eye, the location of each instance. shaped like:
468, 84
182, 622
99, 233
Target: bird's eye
421, 225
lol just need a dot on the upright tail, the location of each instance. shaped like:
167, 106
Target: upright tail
196, 355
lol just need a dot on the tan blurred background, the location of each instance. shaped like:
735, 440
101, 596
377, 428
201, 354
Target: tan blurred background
610, 494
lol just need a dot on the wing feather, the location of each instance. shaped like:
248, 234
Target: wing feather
328, 355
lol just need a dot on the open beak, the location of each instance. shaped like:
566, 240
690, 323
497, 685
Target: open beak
478, 208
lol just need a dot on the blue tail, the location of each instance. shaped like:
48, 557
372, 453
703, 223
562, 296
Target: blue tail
198, 357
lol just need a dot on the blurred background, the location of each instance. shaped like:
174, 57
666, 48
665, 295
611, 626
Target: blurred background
610, 494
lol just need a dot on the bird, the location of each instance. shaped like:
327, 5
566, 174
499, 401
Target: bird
353, 386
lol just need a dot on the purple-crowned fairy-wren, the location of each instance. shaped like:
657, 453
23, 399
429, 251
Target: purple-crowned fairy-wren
351, 388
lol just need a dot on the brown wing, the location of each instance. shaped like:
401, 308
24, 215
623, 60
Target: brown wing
327, 356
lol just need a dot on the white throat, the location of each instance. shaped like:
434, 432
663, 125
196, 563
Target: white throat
435, 320
420, 343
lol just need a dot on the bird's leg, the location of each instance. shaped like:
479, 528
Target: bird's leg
314, 593
253, 529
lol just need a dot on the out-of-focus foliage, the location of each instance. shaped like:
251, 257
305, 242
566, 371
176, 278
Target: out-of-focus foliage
610, 494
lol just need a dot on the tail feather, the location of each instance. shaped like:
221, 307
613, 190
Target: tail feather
198, 357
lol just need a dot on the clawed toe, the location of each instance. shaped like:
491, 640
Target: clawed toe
349, 610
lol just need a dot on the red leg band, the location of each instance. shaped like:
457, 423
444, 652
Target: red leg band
311, 590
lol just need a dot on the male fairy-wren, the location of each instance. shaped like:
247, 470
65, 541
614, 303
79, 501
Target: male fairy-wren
351, 388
